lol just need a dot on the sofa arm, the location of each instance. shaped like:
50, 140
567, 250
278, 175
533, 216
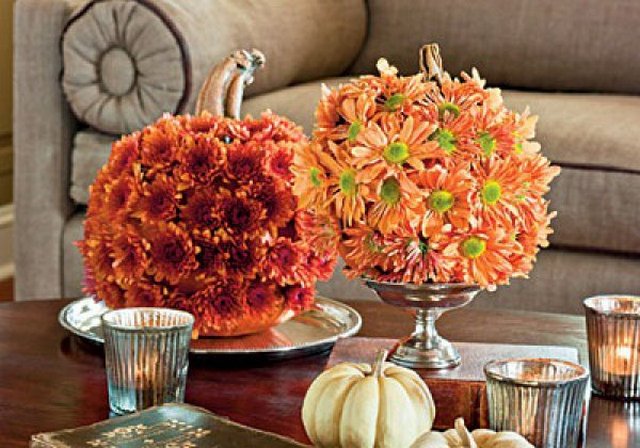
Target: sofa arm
42, 133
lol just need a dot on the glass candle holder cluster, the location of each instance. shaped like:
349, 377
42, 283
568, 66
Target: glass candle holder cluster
146, 357
541, 399
613, 329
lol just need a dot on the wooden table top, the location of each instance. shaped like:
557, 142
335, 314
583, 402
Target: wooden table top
50, 380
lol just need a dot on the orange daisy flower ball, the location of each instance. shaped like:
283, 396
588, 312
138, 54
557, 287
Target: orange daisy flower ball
198, 213
428, 182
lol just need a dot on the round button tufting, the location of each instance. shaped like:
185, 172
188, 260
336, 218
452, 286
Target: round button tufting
117, 71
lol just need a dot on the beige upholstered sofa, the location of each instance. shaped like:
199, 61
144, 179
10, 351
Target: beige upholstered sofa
86, 72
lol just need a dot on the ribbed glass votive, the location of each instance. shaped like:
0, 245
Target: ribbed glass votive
613, 329
541, 399
147, 357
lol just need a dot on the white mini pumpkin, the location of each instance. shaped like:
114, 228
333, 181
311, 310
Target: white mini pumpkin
459, 437
362, 406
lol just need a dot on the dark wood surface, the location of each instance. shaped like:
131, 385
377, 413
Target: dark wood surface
50, 380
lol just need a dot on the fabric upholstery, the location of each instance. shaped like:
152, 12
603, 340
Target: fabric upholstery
595, 196
596, 140
42, 134
559, 282
570, 45
73, 266
91, 151
126, 62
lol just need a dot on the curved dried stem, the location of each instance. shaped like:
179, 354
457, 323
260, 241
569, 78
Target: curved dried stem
431, 62
244, 77
226, 82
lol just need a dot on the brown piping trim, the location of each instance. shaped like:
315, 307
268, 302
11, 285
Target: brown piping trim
603, 168
184, 51
597, 251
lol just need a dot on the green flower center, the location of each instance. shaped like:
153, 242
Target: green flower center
348, 182
396, 152
449, 107
314, 175
423, 247
390, 191
487, 143
354, 130
441, 201
446, 140
491, 192
473, 247
394, 101
372, 245
517, 148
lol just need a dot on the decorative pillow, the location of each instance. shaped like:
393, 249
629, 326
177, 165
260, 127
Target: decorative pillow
128, 61
124, 65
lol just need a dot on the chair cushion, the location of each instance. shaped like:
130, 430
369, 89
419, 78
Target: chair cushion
128, 61
569, 45
593, 137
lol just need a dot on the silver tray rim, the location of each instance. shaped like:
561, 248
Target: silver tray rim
284, 351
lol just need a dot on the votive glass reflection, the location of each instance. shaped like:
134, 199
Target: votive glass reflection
541, 399
613, 330
146, 356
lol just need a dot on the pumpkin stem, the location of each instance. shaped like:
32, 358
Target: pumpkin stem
465, 437
431, 62
378, 364
226, 82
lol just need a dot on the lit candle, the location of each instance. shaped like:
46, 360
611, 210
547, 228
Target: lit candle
613, 326
619, 360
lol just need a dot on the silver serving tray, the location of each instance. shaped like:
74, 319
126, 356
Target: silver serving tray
312, 332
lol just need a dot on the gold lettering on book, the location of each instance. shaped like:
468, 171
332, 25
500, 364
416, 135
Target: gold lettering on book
171, 434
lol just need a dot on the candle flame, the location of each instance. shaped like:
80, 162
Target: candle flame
624, 352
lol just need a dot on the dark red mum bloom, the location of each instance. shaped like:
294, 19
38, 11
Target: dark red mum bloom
158, 146
279, 162
111, 293
144, 294
130, 258
201, 123
118, 195
241, 215
123, 154
284, 261
158, 200
299, 299
244, 161
261, 296
201, 160
278, 202
201, 210
173, 254
321, 265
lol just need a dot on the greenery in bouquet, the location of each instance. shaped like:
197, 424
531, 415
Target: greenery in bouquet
197, 213
429, 180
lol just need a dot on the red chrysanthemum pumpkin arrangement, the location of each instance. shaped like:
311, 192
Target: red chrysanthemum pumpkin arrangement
197, 213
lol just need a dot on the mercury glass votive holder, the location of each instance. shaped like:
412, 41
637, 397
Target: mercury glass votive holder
146, 356
613, 330
541, 399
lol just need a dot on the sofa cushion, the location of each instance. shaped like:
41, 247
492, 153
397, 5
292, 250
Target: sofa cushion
593, 137
128, 61
558, 283
569, 45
